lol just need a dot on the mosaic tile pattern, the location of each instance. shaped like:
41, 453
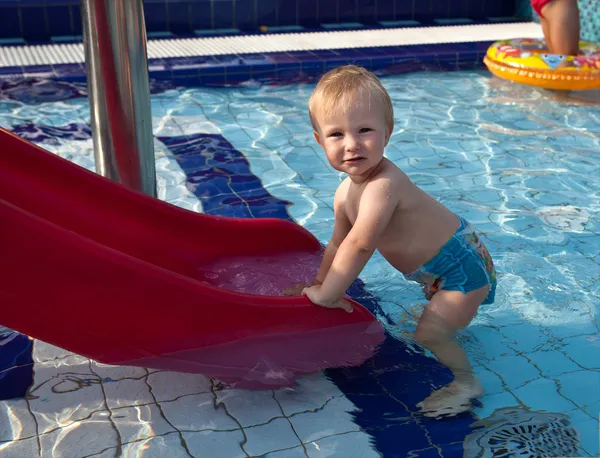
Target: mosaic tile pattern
60, 20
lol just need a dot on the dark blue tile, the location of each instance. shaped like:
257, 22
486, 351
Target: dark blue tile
328, 11
386, 10
75, 17
308, 14
179, 17
35, 24
404, 9
421, 11
347, 11
222, 13
475, 8
460, 8
267, 12
261, 72
68, 70
238, 75
228, 59
9, 22
155, 15
59, 20
161, 75
368, 11
255, 59
217, 79
42, 71
245, 15
381, 62
498, 9
200, 17
440, 9
325, 53
290, 73
16, 365
8, 72
282, 58
175, 63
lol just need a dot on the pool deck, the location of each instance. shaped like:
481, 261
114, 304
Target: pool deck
280, 57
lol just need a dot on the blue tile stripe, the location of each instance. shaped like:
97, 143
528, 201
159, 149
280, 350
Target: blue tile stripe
16, 364
282, 67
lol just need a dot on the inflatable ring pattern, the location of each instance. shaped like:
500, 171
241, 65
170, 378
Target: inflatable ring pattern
527, 61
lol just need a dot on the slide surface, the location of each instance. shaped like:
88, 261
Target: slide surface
93, 267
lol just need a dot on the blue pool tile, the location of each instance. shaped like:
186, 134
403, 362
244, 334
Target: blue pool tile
553, 363
514, 369
283, 58
155, 16
347, 10
179, 17
491, 402
222, 14
245, 15
585, 350
587, 426
34, 24
59, 20
327, 13
542, 394
39, 71
16, 364
11, 72
200, 16
9, 22
385, 10
76, 22
404, 10
267, 13
289, 13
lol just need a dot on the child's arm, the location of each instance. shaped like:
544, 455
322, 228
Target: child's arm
341, 228
376, 207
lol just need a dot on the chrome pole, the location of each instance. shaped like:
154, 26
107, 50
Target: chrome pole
114, 34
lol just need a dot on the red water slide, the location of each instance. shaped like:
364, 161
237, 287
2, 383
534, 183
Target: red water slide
112, 274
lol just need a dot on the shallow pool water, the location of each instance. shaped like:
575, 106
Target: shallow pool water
522, 165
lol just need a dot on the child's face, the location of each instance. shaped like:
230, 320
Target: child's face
354, 139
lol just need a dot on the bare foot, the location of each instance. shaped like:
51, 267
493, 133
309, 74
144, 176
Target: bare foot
451, 399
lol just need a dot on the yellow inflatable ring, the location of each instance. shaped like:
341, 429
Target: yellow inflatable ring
527, 61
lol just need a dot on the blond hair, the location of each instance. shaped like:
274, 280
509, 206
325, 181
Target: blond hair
337, 87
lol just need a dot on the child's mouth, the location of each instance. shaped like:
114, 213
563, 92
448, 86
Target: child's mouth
354, 160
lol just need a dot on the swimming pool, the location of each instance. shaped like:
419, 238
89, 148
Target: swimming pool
520, 164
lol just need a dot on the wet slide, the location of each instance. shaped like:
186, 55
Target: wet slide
93, 267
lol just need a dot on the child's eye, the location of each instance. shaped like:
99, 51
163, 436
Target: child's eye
365, 129
335, 134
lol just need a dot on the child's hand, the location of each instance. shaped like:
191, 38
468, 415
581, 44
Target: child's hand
295, 290
314, 294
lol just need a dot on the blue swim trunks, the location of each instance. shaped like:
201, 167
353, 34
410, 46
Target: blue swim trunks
462, 264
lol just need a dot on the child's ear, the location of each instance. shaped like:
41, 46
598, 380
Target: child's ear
316, 134
389, 133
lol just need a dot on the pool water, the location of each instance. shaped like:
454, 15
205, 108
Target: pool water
522, 165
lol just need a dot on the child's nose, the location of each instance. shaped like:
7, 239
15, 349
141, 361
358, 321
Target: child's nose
351, 143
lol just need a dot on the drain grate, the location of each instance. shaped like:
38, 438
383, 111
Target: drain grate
513, 432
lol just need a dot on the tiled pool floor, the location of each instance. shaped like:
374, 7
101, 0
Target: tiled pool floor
521, 166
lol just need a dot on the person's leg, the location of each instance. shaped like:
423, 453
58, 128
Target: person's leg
448, 312
546, 30
562, 17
